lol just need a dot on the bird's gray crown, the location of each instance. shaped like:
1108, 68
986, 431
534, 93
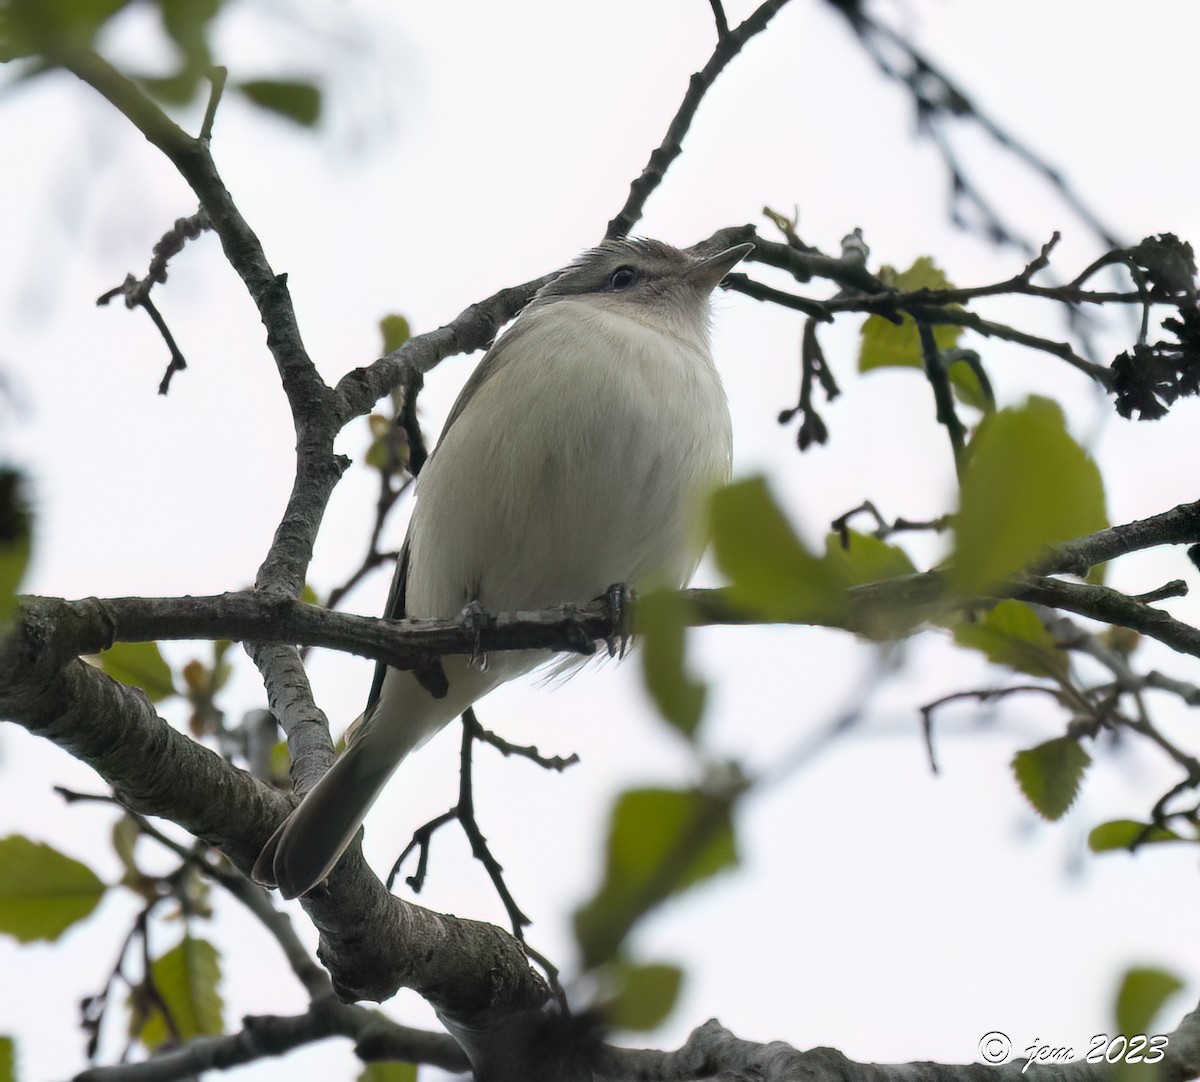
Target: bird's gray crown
637, 267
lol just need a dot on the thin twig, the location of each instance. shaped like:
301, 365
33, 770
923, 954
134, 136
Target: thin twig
728, 46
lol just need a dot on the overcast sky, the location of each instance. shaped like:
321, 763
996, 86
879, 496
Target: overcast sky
468, 146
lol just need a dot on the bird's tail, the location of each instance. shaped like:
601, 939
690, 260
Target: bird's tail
304, 850
307, 845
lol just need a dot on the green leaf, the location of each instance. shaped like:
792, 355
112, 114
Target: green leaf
43, 892
862, 558
662, 625
125, 835
1012, 635
52, 27
186, 22
8, 1060
890, 345
965, 370
645, 996
14, 539
388, 1071
140, 664
395, 331
1027, 484
1142, 993
1125, 833
771, 573
660, 842
299, 102
1049, 774
186, 978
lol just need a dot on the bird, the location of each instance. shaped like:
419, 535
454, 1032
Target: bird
578, 457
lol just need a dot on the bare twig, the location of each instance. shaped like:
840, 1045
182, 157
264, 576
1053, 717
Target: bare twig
729, 44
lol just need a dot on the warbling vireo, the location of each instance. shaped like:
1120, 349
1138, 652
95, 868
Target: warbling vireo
577, 456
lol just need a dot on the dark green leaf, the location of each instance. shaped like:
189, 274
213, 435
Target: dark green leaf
662, 625
178, 88
660, 842
52, 28
8, 1060
888, 345
1011, 634
43, 892
186, 23
14, 539
1124, 833
771, 573
1049, 774
125, 836
140, 664
299, 102
1143, 992
964, 368
645, 995
186, 978
395, 332
388, 1071
1027, 484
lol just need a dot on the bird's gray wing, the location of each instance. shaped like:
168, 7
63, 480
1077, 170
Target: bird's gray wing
494, 359
499, 356
393, 610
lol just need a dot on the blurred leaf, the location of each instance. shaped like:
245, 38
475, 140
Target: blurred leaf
1142, 993
660, 842
140, 664
771, 573
1012, 635
52, 27
43, 892
889, 345
645, 996
662, 626
1027, 484
1123, 833
186, 978
395, 331
1049, 774
299, 102
388, 1071
186, 22
14, 539
125, 835
965, 380
389, 449
281, 760
864, 559
8, 1060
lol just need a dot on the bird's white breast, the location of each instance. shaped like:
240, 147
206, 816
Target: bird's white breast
580, 462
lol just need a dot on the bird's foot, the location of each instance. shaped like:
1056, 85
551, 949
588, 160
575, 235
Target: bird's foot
475, 620
619, 600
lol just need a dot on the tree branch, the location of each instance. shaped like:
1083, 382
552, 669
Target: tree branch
376, 1037
729, 44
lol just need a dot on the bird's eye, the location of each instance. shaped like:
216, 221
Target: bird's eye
622, 278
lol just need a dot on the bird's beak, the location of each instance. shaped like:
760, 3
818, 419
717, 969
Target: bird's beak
708, 272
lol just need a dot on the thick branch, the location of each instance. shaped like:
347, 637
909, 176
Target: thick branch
372, 943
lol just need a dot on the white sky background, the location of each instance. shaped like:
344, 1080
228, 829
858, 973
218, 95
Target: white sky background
878, 909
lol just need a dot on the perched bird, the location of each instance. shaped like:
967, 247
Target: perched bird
577, 456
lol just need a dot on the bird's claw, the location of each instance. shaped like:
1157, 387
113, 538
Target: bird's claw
619, 600
475, 620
